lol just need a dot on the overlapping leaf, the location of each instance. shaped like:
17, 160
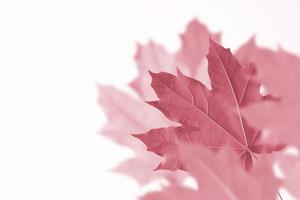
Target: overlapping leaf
219, 176
122, 122
279, 71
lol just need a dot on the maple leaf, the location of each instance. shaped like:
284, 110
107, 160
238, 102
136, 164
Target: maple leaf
190, 58
208, 117
279, 72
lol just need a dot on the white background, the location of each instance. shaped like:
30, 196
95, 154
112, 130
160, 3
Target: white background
52, 53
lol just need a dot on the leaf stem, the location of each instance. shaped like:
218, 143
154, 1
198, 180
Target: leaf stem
279, 195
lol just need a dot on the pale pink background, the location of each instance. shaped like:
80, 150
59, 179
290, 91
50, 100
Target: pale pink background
53, 52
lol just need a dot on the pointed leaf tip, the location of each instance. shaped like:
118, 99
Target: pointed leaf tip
195, 21
212, 42
152, 103
140, 136
178, 71
253, 39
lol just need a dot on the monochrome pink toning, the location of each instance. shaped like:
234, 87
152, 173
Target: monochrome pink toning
211, 118
199, 112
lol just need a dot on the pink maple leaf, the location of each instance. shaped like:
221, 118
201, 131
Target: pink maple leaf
208, 117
